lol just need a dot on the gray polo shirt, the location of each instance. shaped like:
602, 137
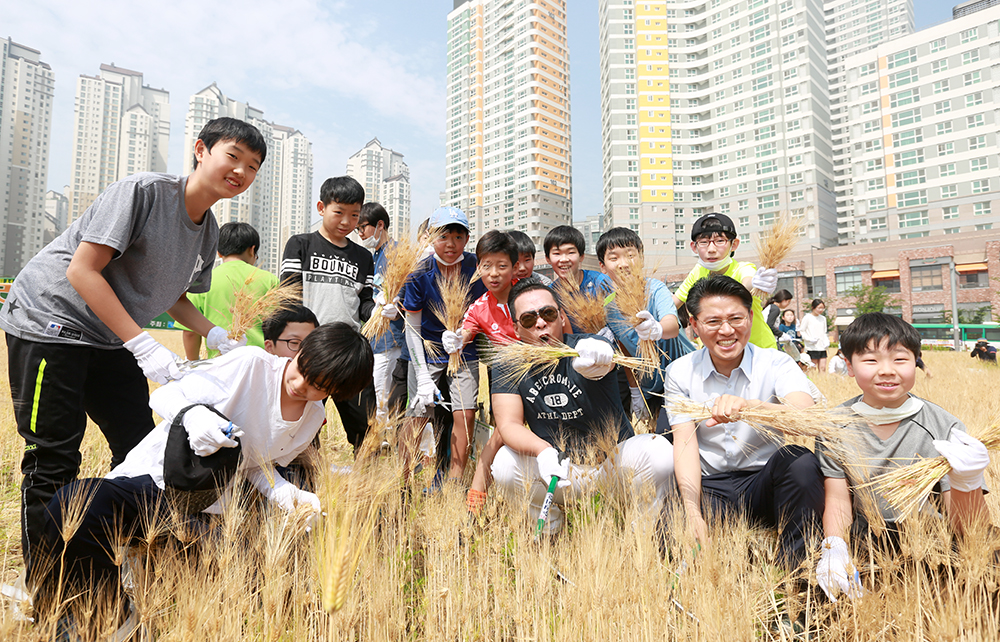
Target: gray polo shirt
912, 439
159, 255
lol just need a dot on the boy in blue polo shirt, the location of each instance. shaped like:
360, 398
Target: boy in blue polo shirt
428, 368
564, 249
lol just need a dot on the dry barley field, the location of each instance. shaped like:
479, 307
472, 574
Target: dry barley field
384, 564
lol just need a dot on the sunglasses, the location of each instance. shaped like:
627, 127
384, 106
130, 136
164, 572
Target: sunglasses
549, 313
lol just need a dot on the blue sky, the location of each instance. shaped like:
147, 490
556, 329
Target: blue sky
341, 72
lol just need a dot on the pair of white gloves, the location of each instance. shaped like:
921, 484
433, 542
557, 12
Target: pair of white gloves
208, 432
968, 459
159, 364
389, 310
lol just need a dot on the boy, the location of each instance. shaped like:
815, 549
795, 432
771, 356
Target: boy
564, 248
238, 247
713, 239
525, 266
74, 315
895, 429
285, 330
616, 249
336, 276
421, 295
497, 255
373, 227
271, 404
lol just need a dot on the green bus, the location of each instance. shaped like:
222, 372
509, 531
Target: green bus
940, 334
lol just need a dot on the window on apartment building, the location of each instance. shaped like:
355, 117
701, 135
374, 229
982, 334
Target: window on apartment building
869, 107
903, 118
871, 126
940, 87
912, 199
795, 178
984, 226
970, 57
913, 219
877, 183
903, 78
943, 128
877, 203
944, 149
878, 223
974, 99
874, 164
979, 164
890, 285
949, 191
971, 79
901, 58
981, 186
903, 98
939, 65
938, 45
970, 34
942, 107
914, 177
908, 137
847, 280
976, 120
970, 280
981, 209
926, 278
911, 157
950, 212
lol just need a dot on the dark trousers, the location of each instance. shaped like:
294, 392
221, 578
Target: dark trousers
119, 512
54, 388
786, 494
355, 412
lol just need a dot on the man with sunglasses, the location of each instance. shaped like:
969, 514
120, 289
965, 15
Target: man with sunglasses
714, 240
575, 406
722, 464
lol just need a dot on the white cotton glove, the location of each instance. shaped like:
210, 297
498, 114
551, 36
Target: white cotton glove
650, 329
389, 310
595, 358
427, 392
835, 572
550, 463
289, 497
968, 458
765, 279
451, 341
218, 339
207, 431
639, 408
606, 333
157, 362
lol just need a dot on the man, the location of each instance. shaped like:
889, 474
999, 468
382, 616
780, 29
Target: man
571, 405
726, 465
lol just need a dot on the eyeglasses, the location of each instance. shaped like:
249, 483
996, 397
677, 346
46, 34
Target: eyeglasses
719, 241
549, 314
293, 344
737, 321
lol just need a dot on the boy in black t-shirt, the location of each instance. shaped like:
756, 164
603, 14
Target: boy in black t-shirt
575, 401
336, 276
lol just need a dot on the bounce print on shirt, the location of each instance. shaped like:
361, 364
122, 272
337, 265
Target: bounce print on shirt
325, 269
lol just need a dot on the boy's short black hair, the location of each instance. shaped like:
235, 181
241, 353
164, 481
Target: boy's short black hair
561, 235
372, 213
528, 285
869, 329
275, 324
237, 238
523, 242
238, 131
717, 285
497, 242
336, 359
342, 189
615, 238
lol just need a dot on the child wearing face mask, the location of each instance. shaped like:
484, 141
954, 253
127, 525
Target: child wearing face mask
713, 239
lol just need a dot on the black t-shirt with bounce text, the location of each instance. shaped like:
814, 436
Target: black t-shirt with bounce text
565, 408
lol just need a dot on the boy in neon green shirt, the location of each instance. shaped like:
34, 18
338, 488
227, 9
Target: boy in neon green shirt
238, 246
713, 239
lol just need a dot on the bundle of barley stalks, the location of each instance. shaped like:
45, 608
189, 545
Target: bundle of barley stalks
585, 312
249, 309
454, 287
516, 360
773, 247
402, 259
907, 487
632, 296
818, 422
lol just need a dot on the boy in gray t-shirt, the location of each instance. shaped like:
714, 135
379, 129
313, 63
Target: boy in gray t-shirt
142, 244
894, 428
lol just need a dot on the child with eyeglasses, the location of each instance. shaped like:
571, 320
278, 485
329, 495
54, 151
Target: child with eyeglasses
714, 240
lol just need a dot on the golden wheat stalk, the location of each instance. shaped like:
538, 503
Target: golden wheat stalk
516, 360
249, 308
631, 296
773, 247
584, 311
817, 422
402, 260
906, 488
454, 288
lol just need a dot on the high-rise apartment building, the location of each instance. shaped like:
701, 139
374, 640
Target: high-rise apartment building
923, 130
121, 127
279, 202
57, 208
853, 27
715, 106
26, 88
508, 162
386, 179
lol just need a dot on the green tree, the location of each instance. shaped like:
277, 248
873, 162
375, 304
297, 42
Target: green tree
871, 298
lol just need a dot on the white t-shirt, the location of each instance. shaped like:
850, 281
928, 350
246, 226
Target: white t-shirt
245, 386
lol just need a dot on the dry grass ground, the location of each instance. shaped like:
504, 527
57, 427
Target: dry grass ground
410, 567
